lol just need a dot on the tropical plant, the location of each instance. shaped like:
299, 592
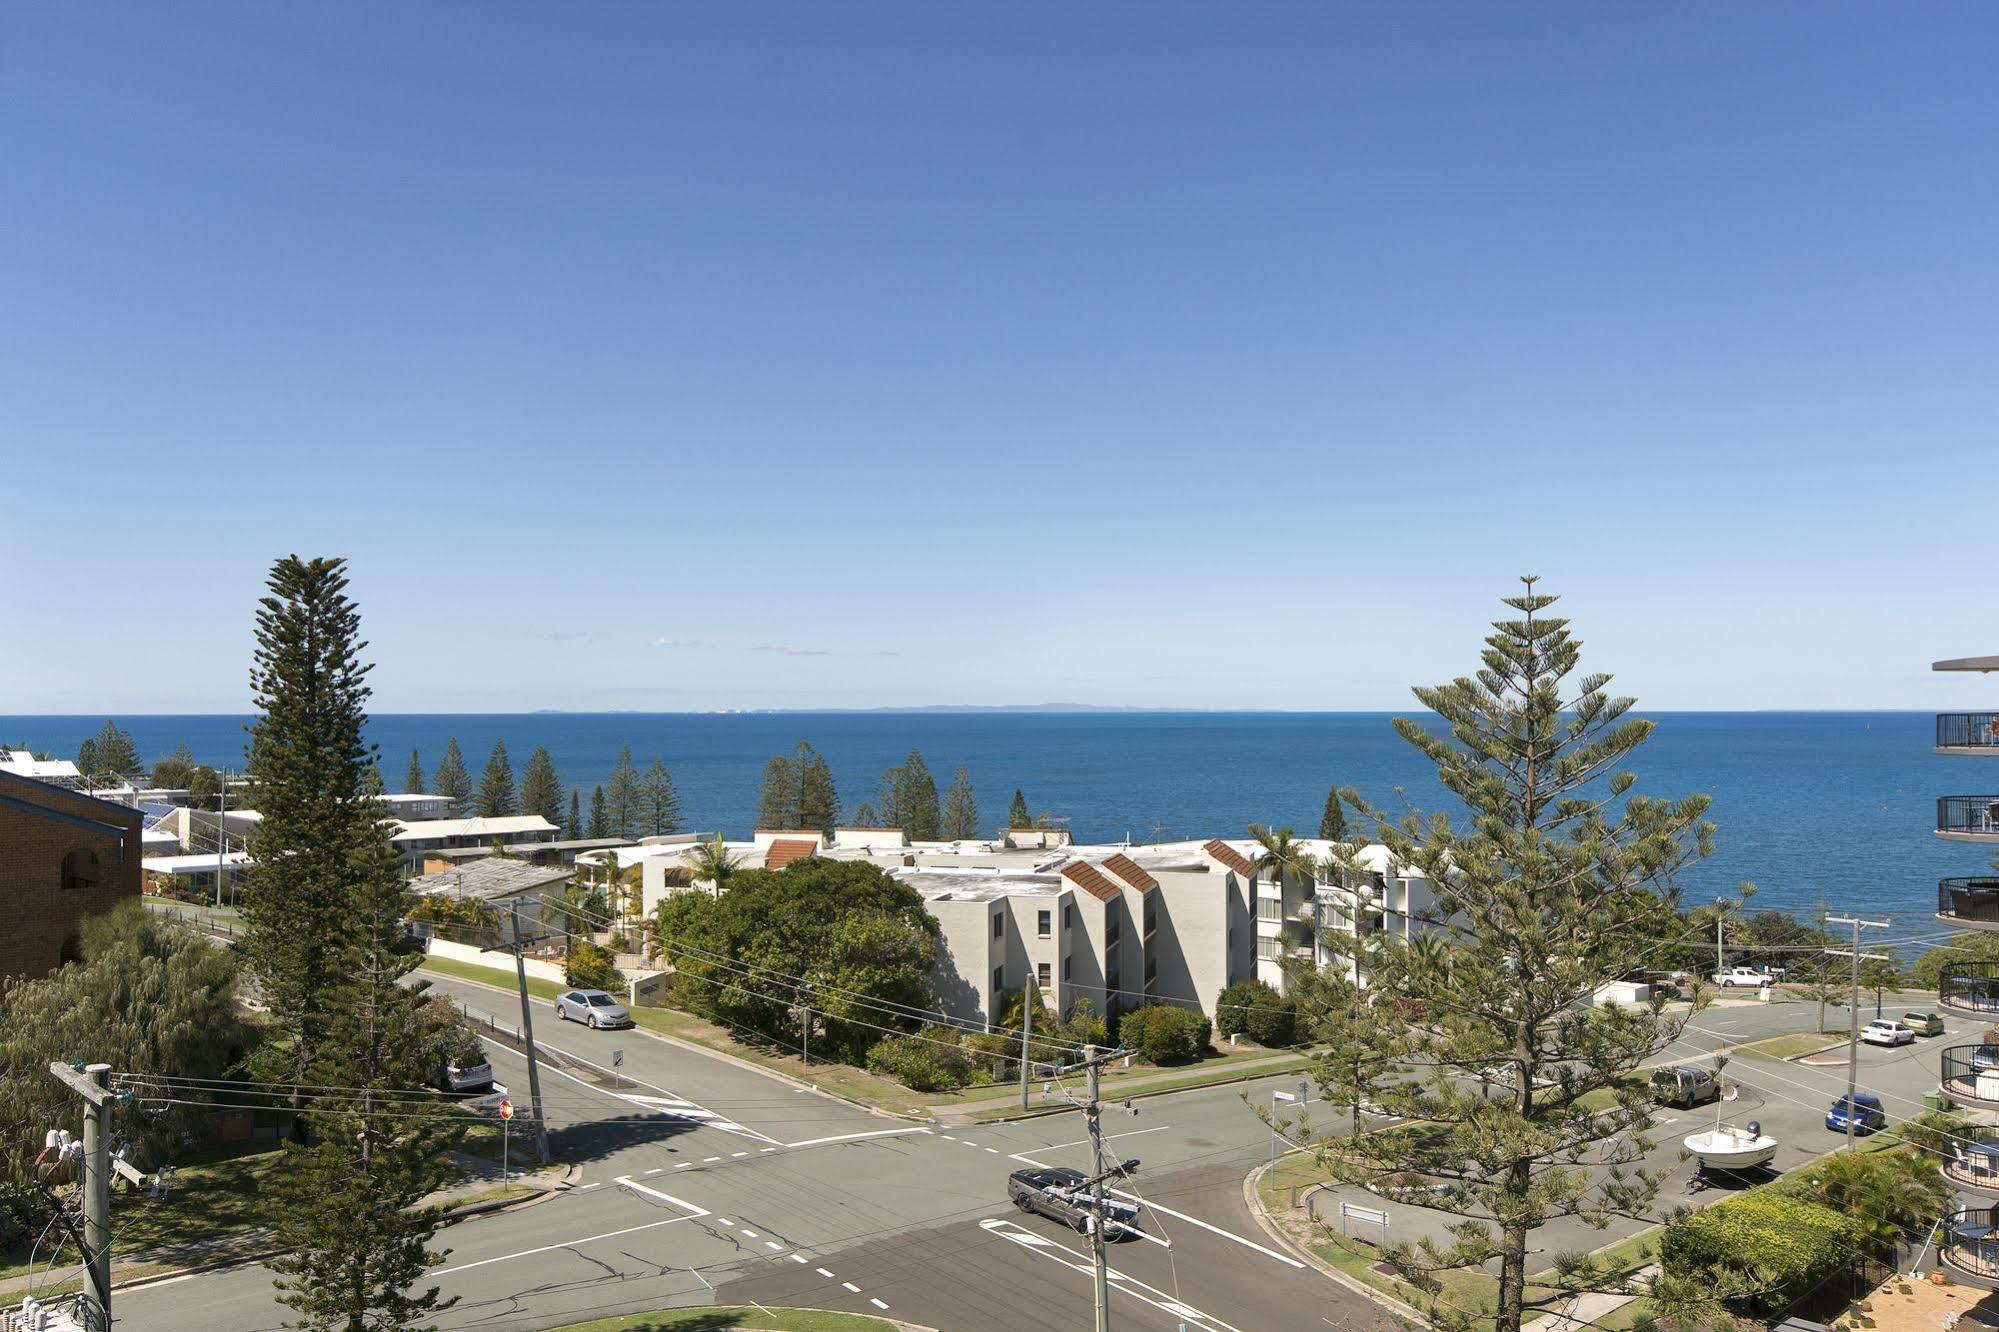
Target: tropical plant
712, 863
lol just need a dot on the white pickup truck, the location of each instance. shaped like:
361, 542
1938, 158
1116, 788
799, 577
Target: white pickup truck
1753, 977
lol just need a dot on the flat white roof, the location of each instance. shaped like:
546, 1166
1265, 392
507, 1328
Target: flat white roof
511, 823
193, 864
23, 763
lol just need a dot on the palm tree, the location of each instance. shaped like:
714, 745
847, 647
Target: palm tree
1427, 954
714, 862
1282, 854
1889, 1193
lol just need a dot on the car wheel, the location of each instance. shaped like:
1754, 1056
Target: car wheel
591, 1022
1024, 1205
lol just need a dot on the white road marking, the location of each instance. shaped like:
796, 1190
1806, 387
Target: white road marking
1286, 1259
799, 1259
1028, 1160
567, 1244
739, 1153
772, 1244
598, 1184
711, 1158
948, 1138
655, 1170
823, 1272
724, 1221
677, 1109
877, 1303
628, 1182
1129, 1285
856, 1137
762, 1150
851, 1286
1084, 1142
751, 1233
685, 1165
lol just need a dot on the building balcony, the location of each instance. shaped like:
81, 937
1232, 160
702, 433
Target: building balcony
1968, 733
1970, 903
1969, 988
1969, 1244
1970, 1076
1974, 1165
1968, 818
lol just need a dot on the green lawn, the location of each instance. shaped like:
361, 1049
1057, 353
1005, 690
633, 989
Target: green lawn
713, 1320
502, 976
1788, 1046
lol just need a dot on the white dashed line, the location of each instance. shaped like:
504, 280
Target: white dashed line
763, 1150
655, 1170
739, 1153
597, 1185
772, 1244
877, 1303
948, 1138
711, 1158
751, 1233
724, 1221
799, 1259
685, 1165
993, 1150
823, 1272
851, 1286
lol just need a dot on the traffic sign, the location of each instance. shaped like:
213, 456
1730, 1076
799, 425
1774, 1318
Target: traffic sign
506, 1109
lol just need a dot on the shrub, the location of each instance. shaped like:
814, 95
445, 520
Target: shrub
589, 967
933, 1062
1162, 1034
23, 1213
1763, 1249
1257, 1011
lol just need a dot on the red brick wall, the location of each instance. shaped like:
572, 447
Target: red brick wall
39, 918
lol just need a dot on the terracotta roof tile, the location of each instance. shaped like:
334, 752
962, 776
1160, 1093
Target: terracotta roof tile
1131, 872
783, 851
1229, 856
1091, 880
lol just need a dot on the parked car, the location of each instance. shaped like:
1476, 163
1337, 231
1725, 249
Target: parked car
1864, 1109
1058, 1195
1753, 977
1887, 1031
1924, 1024
466, 1071
593, 1008
1983, 1060
1684, 1085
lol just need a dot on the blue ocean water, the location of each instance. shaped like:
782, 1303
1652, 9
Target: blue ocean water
1833, 807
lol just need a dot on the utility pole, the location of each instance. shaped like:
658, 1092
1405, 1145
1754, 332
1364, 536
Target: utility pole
1093, 1116
221, 831
89, 1084
518, 947
1029, 995
1853, 1012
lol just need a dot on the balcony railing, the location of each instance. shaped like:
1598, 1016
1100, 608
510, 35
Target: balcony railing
1969, 987
1968, 730
1974, 815
1974, 1165
1970, 1075
1974, 899
1970, 1241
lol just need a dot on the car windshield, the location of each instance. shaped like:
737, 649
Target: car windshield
601, 1001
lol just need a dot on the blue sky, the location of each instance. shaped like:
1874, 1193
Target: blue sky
678, 357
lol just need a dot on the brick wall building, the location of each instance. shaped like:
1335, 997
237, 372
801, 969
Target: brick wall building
63, 856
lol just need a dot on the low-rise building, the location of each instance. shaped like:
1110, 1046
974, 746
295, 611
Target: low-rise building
23, 763
195, 874
495, 881
67, 856
414, 838
416, 806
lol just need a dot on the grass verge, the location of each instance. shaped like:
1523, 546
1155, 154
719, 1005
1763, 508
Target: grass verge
1788, 1046
715, 1319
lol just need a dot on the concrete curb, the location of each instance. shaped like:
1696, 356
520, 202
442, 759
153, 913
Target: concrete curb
1139, 1095
1254, 1202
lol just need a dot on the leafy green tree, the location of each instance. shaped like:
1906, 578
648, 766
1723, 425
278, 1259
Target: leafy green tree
623, 807
865, 815
1016, 813
326, 907
713, 863
778, 800
112, 753
87, 762
590, 966
572, 823
909, 798
1926, 972
495, 797
413, 775
1892, 1194
818, 799
659, 803
176, 770
961, 810
1257, 1011
1333, 821
541, 789
600, 817
371, 780
1555, 885
148, 997
452, 780
1280, 855
1879, 974
204, 788
841, 938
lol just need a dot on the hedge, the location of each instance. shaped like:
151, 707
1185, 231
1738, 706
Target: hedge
1784, 1246
1257, 1011
1162, 1034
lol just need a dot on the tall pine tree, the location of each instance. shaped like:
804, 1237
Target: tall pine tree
777, 803
452, 780
818, 800
495, 798
1333, 822
621, 797
659, 804
909, 798
176, 770
413, 775
572, 826
600, 818
961, 810
541, 788
116, 755
1559, 880
1016, 813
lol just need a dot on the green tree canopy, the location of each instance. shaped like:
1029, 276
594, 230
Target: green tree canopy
909, 799
623, 805
176, 771
960, 821
777, 799
572, 822
452, 780
1333, 820
841, 938
541, 788
495, 797
1556, 884
659, 803
818, 799
600, 817
113, 753
413, 775
1016, 813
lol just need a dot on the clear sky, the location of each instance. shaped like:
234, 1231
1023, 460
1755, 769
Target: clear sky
679, 357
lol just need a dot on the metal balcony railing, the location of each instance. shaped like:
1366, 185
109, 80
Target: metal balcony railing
1970, 1241
1969, 987
1968, 730
1976, 814
1973, 898
1973, 1165
1970, 1074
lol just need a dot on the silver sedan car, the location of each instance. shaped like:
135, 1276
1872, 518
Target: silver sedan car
593, 1008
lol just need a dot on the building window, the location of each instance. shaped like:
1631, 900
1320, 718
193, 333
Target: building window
999, 926
1151, 917
1042, 974
1068, 968
1111, 928
1151, 970
1068, 916
79, 870
1044, 923
999, 980
1269, 908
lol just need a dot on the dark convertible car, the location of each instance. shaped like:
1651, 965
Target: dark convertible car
1058, 1195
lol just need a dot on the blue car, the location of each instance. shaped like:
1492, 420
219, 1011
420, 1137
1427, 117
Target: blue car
1864, 1111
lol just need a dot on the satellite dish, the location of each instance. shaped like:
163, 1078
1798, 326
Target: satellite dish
1729, 1091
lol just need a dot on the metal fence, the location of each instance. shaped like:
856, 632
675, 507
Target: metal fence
1970, 1074
1969, 1243
1968, 814
1968, 730
1973, 897
1974, 1165
1969, 987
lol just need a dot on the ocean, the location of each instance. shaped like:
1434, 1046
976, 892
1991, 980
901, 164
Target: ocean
1811, 807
